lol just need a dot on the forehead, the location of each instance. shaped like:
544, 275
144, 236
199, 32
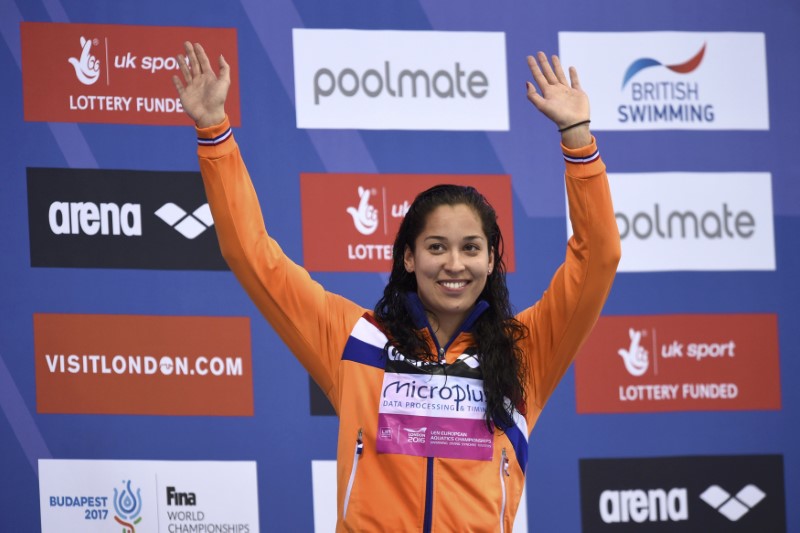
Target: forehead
453, 221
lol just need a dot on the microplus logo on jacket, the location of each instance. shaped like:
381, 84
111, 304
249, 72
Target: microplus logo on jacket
93, 218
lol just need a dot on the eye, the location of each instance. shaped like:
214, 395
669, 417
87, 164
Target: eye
436, 247
472, 248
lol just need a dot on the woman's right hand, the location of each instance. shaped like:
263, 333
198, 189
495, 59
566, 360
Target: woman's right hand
203, 96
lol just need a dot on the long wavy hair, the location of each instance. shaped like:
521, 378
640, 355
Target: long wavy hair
496, 332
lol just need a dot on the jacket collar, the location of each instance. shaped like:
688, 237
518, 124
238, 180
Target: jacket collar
417, 311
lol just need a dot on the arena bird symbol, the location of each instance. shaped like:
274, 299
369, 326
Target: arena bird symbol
128, 507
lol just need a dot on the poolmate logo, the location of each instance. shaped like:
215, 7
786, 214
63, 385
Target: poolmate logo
694, 221
671, 80
128, 506
683, 494
93, 218
422, 80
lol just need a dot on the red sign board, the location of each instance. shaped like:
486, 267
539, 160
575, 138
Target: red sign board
119, 74
350, 220
148, 365
633, 364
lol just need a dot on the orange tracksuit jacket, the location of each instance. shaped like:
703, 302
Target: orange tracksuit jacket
341, 347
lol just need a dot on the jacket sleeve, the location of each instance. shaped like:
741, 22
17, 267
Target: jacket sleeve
562, 319
312, 322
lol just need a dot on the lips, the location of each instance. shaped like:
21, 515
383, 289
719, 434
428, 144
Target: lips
453, 285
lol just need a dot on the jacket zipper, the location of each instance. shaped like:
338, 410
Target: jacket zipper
356, 456
503, 475
441, 351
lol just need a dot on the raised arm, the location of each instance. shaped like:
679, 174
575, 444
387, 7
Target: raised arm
564, 316
312, 322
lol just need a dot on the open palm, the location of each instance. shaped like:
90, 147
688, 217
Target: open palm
204, 93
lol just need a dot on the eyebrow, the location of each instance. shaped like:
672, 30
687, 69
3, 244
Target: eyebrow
467, 238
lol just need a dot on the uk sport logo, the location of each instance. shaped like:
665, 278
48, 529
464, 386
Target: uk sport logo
733, 507
188, 225
365, 216
87, 66
635, 357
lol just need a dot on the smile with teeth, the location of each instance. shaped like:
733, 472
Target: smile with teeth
453, 284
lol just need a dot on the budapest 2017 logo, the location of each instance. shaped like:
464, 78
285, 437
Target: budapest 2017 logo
128, 507
647, 62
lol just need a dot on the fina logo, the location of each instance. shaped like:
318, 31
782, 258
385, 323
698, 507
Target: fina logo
646, 62
87, 67
128, 506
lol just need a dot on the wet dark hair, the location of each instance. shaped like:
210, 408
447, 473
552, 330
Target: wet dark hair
496, 332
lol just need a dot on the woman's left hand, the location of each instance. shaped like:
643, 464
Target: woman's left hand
562, 101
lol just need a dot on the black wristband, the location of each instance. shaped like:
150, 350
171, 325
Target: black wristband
565, 128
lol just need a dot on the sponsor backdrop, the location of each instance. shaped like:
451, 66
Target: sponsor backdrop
141, 390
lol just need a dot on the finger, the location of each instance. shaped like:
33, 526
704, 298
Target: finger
544, 64
535, 98
194, 65
224, 69
573, 76
178, 85
538, 77
187, 75
558, 70
205, 64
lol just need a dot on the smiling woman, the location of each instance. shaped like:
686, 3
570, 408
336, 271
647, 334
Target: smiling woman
438, 388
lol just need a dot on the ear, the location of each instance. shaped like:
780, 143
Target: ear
491, 261
408, 260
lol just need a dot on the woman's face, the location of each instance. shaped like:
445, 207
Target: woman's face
451, 262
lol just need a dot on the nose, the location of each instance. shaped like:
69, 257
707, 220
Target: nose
454, 262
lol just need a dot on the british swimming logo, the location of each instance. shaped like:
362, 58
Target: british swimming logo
647, 62
128, 507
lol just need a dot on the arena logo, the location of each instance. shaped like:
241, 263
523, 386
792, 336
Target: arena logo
637, 505
112, 73
188, 225
680, 362
120, 219
400, 80
350, 220
733, 507
670, 80
89, 218
683, 494
694, 221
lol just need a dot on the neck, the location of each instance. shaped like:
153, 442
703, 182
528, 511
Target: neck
445, 329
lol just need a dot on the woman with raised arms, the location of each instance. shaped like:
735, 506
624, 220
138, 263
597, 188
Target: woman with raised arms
438, 388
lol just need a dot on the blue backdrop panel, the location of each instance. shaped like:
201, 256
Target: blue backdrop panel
283, 437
